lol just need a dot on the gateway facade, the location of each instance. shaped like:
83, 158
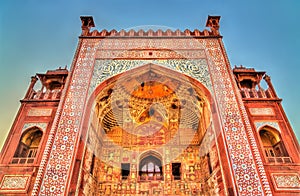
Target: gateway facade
151, 113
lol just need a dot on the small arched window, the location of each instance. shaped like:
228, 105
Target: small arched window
150, 168
28, 146
272, 144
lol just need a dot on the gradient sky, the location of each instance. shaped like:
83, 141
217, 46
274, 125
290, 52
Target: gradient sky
38, 35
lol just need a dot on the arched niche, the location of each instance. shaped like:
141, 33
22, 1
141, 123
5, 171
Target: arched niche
150, 169
28, 146
129, 120
272, 143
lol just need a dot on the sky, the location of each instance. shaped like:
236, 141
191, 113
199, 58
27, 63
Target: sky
41, 35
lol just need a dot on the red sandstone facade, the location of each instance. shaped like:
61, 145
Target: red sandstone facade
151, 113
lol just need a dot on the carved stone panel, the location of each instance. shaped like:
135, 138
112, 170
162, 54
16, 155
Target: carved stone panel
286, 181
14, 183
262, 111
39, 112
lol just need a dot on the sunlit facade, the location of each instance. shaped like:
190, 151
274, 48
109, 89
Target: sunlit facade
151, 113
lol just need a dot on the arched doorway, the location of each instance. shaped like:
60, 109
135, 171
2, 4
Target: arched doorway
150, 131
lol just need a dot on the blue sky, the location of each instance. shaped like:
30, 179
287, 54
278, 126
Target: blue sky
38, 35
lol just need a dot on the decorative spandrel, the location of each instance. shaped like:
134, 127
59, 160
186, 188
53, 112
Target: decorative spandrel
196, 68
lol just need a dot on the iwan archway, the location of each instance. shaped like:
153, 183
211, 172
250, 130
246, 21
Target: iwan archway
151, 131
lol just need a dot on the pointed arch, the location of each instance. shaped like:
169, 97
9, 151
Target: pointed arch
28, 146
150, 166
145, 68
150, 153
92, 104
273, 125
272, 144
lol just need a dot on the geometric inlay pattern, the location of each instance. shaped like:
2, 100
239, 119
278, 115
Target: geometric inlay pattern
232, 114
57, 160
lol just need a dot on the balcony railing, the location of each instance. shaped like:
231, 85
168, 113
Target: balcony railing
279, 160
22, 160
45, 95
49, 94
254, 93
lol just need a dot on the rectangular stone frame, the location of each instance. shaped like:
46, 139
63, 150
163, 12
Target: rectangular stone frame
248, 171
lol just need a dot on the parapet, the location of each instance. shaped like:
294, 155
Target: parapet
212, 23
